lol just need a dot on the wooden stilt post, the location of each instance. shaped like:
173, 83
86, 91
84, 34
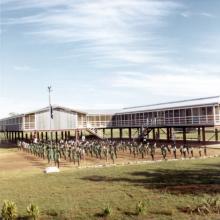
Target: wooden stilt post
103, 131
184, 135
199, 134
203, 134
168, 134
42, 135
111, 133
171, 133
216, 134
38, 135
76, 134
56, 136
129, 133
158, 133
154, 134
120, 133
62, 135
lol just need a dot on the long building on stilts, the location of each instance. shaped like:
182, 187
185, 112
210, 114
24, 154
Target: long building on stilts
151, 121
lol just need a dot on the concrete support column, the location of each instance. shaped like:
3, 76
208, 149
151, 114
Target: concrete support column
26, 135
203, 134
216, 134
68, 134
22, 135
184, 135
65, 135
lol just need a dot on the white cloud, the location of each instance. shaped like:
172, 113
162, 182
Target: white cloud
23, 68
119, 29
188, 14
191, 84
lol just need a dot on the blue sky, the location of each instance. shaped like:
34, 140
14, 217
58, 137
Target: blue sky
107, 54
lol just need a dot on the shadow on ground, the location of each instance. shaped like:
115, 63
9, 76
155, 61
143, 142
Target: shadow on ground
173, 181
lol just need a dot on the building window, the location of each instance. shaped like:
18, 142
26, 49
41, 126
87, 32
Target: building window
195, 112
203, 111
176, 113
209, 110
188, 112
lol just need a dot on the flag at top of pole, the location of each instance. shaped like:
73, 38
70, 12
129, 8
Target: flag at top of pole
50, 106
51, 112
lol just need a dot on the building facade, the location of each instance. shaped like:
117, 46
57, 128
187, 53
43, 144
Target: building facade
198, 113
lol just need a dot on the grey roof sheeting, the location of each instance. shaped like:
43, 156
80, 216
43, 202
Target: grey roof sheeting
161, 106
170, 105
45, 109
58, 107
102, 112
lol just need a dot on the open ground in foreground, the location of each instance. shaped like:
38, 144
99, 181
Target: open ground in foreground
166, 188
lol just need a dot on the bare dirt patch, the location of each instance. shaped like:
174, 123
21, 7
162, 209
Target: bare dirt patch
13, 159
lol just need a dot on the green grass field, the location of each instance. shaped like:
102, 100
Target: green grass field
165, 187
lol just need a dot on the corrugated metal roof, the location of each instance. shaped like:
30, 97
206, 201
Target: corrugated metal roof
161, 106
102, 111
170, 105
45, 109
58, 107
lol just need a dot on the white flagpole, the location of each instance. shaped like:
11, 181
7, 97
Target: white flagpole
49, 91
